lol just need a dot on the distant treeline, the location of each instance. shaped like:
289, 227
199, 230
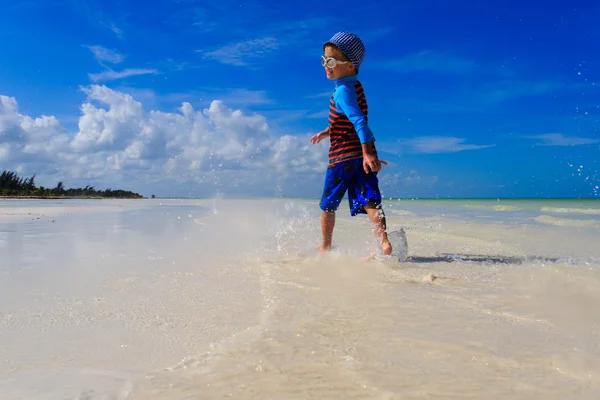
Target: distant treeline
12, 184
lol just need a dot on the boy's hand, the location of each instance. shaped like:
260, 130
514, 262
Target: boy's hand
319, 136
370, 161
372, 164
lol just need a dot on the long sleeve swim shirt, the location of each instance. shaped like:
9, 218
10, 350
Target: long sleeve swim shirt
346, 102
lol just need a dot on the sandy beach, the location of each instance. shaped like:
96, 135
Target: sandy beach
223, 298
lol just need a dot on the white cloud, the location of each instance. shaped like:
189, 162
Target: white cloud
499, 91
320, 95
244, 96
440, 144
111, 75
411, 178
37, 142
232, 96
118, 144
240, 53
557, 139
116, 30
104, 54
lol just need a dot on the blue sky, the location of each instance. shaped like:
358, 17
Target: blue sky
186, 98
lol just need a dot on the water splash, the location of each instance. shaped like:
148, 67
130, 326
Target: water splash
293, 229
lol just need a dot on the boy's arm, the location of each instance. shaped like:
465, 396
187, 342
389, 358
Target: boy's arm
316, 138
346, 101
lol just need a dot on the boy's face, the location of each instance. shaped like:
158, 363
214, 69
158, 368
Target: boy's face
340, 70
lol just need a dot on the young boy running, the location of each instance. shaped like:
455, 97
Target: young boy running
353, 162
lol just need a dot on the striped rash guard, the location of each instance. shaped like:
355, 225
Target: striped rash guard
348, 121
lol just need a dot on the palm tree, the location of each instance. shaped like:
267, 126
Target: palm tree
12, 184
60, 188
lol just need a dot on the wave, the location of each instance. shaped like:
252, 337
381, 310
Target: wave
590, 211
399, 212
496, 207
580, 223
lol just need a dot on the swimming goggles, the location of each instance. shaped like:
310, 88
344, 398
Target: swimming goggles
331, 62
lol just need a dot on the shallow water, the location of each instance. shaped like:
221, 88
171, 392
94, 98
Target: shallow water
228, 299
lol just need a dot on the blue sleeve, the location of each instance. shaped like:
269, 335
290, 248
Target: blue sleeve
346, 101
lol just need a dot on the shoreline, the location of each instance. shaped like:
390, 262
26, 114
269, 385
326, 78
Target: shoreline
69, 198
542, 199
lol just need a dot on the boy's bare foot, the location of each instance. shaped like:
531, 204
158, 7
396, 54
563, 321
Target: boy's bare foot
324, 249
386, 246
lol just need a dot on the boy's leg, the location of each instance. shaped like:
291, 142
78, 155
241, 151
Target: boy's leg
377, 217
327, 224
333, 191
365, 198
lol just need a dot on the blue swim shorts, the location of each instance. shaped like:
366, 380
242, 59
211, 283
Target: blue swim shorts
362, 188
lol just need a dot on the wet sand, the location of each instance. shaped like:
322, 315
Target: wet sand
229, 299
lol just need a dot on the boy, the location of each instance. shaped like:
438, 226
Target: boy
353, 162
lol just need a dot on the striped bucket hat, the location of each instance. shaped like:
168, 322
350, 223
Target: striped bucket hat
350, 45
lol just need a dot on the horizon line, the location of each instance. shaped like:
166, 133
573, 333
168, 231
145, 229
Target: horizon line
383, 199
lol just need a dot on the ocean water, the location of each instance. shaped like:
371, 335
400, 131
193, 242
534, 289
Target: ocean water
225, 298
